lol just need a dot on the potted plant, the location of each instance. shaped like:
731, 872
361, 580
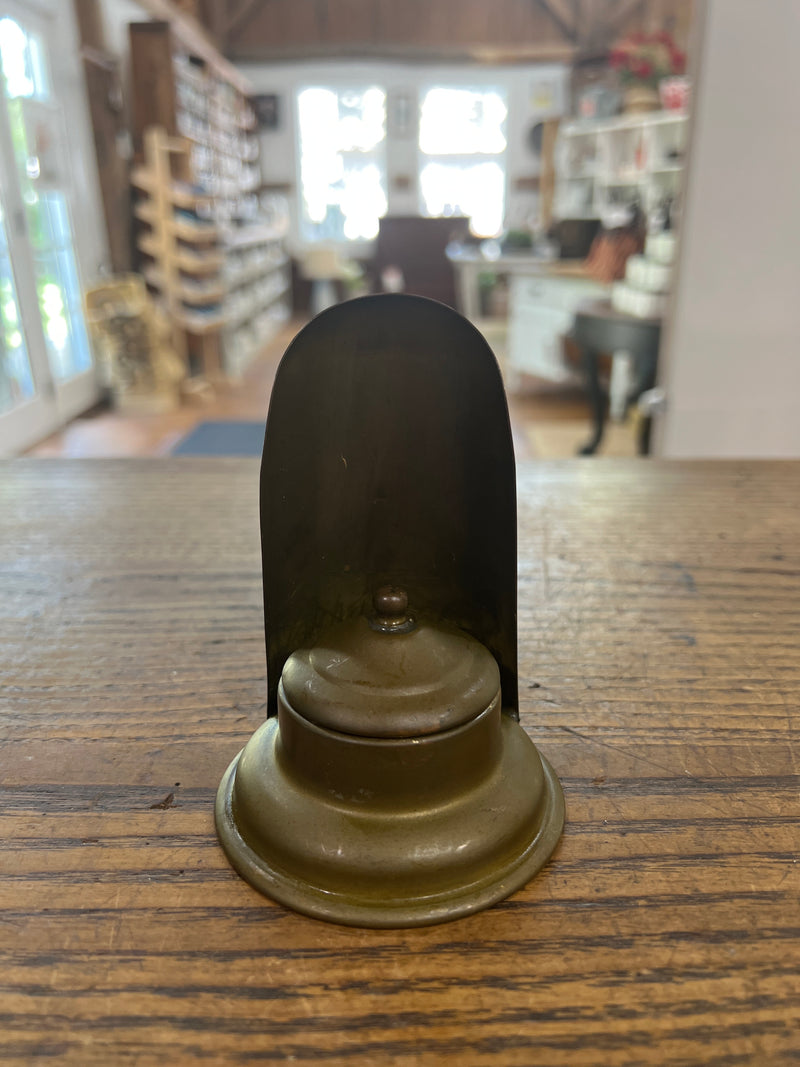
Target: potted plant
642, 61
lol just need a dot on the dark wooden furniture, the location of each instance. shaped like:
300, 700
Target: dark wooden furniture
599, 330
168, 60
104, 94
417, 246
659, 674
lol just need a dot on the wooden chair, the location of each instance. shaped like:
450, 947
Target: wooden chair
416, 246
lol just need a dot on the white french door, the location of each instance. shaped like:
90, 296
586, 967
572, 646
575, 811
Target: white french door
46, 367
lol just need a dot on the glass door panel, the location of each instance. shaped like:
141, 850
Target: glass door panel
58, 289
46, 368
37, 133
16, 375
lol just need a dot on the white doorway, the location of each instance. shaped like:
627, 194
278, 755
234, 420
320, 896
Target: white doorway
47, 372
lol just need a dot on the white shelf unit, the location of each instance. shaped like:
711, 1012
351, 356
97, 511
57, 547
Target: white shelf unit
608, 162
258, 281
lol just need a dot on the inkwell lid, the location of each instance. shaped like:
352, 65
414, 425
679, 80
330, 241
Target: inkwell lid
391, 674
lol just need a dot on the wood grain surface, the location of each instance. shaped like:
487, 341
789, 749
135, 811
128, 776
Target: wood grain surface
659, 622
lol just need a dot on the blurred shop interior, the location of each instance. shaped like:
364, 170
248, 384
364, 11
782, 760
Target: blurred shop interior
607, 189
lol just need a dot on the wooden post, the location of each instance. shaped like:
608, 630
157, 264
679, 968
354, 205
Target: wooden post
547, 181
157, 161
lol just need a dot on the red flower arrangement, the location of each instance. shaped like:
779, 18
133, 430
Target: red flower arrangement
644, 59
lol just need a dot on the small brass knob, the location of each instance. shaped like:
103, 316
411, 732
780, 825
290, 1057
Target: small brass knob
389, 600
391, 610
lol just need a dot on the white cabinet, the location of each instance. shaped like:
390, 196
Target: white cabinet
541, 310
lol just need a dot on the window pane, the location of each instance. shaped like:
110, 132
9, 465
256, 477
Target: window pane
462, 142
462, 122
16, 380
342, 162
60, 307
23, 62
473, 189
35, 132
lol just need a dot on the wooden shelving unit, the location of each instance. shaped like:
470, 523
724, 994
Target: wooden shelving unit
227, 266
181, 259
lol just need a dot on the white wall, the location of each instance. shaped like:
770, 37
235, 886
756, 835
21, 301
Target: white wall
731, 359
525, 86
116, 16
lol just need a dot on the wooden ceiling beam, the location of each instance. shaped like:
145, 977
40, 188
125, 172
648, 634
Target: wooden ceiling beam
620, 13
215, 19
241, 15
562, 12
498, 55
599, 22
538, 30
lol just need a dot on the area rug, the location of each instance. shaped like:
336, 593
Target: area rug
222, 438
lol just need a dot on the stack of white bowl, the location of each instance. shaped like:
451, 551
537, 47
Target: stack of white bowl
647, 279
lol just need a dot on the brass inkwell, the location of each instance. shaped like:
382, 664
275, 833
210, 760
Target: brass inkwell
392, 784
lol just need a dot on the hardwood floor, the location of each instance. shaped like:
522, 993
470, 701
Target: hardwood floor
546, 423
104, 433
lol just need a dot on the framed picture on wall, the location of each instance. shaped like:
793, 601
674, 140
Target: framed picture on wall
267, 109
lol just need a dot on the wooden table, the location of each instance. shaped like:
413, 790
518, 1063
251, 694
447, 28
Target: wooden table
659, 632
469, 262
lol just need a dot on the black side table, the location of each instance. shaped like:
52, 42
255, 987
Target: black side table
599, 329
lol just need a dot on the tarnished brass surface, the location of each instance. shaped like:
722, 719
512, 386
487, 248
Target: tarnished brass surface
391, 681
392, 784
389, 832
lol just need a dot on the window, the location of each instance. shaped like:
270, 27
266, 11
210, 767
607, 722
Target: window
342, 162
462, 144
16, 377
38, 141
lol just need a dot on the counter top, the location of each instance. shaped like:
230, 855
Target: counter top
469, 263
659, 610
